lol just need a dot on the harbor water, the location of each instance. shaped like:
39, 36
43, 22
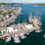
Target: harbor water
33, 38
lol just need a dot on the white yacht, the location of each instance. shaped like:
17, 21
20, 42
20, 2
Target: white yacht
8, 39
37, 31
17, 39
22, 35
44, 35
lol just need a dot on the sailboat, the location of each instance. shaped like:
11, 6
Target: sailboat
30, 19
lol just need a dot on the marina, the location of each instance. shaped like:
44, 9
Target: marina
19, 30
15, 25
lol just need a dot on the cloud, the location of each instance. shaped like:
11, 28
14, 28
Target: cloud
22, 1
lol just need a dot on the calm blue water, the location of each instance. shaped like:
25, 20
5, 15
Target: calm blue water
33, 38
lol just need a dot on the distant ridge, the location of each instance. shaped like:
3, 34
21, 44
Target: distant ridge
36, 4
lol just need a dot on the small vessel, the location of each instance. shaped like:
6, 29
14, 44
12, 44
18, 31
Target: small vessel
22, 35
27, 33
8, 39
17, 39
38, 31
44, 35
29, 26
30, 19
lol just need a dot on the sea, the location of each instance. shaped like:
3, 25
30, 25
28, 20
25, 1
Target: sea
33, 38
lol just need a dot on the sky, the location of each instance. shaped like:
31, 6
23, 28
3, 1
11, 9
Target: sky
22, 1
